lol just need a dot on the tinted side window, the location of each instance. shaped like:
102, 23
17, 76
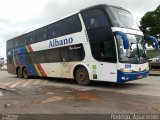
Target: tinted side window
108, 51
63, 54
55, 30
23, 40
36, 57
71, 25
15, 43
94, 18
41, 34
42, 57
76, 53
32, 58
31, 37
10, 56
10, 59
9, 44
53, 55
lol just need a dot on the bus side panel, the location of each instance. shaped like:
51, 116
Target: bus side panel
20, 60
89, 62
108, 71
52, 69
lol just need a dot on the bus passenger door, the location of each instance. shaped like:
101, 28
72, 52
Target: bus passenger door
108, 60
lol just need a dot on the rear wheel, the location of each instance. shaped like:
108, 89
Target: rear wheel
25, 73
19, 73
82, 76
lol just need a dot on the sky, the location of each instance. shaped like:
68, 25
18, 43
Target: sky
21, 16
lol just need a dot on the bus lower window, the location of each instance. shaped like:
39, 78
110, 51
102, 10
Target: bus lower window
107, 51
76, 53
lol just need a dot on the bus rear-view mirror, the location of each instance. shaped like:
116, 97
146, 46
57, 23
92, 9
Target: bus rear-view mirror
125, 39
154, 40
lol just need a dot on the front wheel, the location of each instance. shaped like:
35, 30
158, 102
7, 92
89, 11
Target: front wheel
82, 76
25, 73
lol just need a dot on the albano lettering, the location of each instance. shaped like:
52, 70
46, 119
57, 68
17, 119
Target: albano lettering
56, 43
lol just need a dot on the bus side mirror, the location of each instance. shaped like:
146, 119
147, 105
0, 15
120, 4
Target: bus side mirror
125, 39
155, 41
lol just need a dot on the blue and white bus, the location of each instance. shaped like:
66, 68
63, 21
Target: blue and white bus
101, 43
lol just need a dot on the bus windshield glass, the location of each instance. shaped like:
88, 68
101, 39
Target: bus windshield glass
121, 18
136, 53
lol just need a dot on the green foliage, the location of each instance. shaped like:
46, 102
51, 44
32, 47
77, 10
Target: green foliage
153, 53
151, 20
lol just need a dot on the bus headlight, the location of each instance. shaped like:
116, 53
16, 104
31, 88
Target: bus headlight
126, 70
124, 78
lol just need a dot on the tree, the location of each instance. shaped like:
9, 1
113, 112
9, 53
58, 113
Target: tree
151, 20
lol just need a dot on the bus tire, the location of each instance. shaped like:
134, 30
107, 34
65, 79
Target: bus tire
19, 73
25, 73
82, 76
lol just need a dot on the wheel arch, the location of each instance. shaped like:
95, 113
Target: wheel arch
23, 68
75, 68
18, 67
26, 75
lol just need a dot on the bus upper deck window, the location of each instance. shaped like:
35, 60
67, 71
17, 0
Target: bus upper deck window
94, 18
93, 23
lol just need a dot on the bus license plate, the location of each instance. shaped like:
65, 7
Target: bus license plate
140, 76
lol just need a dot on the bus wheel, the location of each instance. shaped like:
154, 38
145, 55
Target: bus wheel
19, 73
82, 76
25, 73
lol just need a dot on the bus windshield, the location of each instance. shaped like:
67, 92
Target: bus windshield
121, 18
136, 53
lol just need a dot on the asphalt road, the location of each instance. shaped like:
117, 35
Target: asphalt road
59, 96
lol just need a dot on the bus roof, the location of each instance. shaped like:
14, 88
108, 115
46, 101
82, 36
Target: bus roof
102, 5
85, 9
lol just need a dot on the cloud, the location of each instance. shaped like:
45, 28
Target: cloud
56, 9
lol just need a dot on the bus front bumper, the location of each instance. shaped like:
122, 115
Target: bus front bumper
125, 77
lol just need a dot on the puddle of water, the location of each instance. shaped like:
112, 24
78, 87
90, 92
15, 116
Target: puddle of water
35, 102
86, 96
53, 99
50, 93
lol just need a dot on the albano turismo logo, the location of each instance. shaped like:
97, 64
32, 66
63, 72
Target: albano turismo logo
55, 43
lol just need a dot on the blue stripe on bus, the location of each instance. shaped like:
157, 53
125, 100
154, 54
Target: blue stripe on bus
31, 69
22, 56
130, 76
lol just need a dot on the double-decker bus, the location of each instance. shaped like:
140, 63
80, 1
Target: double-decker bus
101, 43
